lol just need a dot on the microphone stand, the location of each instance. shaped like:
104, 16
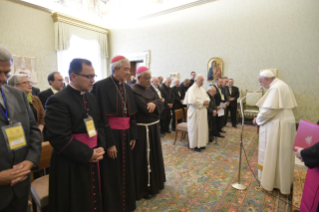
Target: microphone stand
238, 185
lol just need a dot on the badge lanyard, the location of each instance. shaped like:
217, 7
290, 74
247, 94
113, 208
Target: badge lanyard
5, 114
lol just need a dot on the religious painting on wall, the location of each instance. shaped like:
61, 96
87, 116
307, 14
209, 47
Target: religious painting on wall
214, 68
25, 64
174, 75
273, 70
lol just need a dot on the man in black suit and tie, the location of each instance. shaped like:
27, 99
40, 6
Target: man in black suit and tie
178, 96
219, 98
224, 89
55, 80
20, 142
233, 94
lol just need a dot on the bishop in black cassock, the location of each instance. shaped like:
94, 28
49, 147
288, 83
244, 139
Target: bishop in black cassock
148, 156
118, 109
74, 183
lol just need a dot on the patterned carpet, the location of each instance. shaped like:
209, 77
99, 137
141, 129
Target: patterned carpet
202, 181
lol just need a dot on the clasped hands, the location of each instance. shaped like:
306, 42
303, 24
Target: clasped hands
112, 151
97, 154
17, 173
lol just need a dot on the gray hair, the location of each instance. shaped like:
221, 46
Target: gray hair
118, 64
142, 73
175, 79
16, 79
210, 88
231, 79
5, 54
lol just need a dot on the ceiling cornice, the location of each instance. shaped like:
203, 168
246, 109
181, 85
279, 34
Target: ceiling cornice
34, 6
175, 9
59, 17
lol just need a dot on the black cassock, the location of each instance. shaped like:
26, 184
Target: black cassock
74, 183
119, 189
157, 174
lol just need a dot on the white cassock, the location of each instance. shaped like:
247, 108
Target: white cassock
197, 124
277, 132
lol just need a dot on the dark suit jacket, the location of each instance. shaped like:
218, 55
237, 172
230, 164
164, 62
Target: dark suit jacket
18, 111
218, 98
212, 106
167, 95
234, 94
35, 91
44, 96
310, 156
177, 96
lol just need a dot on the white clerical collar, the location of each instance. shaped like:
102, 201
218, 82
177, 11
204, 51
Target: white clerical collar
273, 82
81, 92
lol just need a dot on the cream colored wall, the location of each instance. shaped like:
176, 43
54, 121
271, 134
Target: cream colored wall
247, 35
29, 32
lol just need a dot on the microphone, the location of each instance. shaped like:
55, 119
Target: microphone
239, 185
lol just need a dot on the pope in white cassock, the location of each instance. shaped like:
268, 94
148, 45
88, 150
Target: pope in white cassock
197, 100
277, 133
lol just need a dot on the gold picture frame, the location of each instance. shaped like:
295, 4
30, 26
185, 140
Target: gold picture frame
214, 69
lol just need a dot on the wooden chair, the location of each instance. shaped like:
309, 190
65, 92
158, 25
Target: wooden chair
40, 186
180, 127
185, 113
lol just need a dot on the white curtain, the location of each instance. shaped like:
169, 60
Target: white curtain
103, 43
62, 36
82, 48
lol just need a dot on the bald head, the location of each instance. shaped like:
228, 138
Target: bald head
211, 91
154, 81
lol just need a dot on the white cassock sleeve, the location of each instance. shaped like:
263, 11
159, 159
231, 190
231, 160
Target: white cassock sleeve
265, 115
192, 98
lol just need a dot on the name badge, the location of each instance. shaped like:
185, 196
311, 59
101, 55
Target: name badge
14, 135
179, 93
90, 128
159, 95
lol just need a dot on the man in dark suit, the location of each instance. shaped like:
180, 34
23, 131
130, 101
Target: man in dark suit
192, 80
233, 94
212, 115
55, 80
178, 98
168, 105
224, 88
219, 98
16, 163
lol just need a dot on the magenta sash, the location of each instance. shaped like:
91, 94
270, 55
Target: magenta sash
119, 123
310, 196
84, 138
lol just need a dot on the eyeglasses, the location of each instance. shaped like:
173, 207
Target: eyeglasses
87, 76
26, 83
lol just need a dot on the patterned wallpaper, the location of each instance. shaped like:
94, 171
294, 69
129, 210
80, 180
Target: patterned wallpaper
247, 35
29, 32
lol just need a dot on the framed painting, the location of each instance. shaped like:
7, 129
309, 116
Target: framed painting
174, 75
273, 70
214, 69
24, 64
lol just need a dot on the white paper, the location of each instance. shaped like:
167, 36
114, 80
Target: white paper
221, 112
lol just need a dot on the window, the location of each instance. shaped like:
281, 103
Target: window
86, 49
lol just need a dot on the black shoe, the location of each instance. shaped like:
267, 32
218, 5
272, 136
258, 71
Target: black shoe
196, 149
211, 140
168, 131
221, 136
234, 126
173, 129
147, 196
222, 131
202, 147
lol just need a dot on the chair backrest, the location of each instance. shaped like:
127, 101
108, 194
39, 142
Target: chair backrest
185, 113
253, 98
45, 155
179, 114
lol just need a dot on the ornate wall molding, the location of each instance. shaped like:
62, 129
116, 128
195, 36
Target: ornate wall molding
140, 56
59, 17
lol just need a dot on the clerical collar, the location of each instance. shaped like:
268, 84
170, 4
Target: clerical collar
54, 91
116, 81
81, 92
273, 82
155, 86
